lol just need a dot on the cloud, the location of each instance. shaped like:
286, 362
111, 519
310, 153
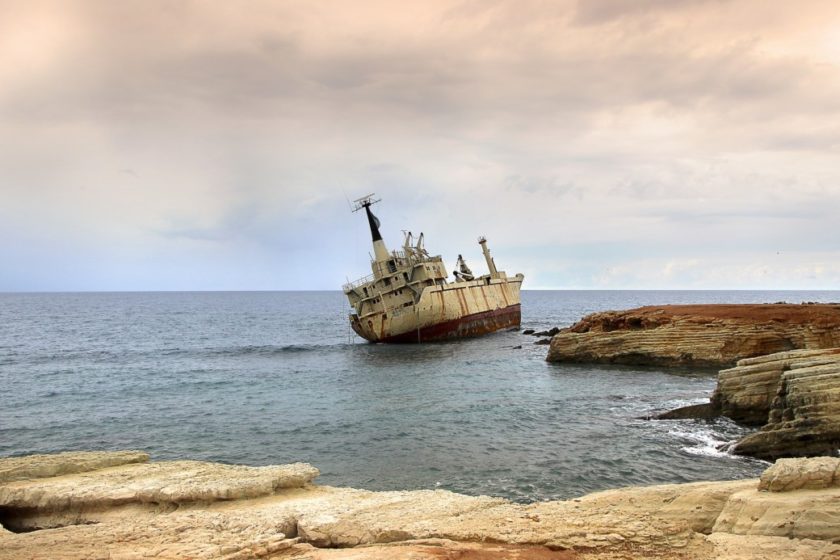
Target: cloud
589, 12
181, 130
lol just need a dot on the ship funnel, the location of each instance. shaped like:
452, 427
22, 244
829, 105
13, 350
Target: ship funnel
490, 264
380, 251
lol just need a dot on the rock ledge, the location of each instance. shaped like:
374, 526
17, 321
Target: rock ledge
696, 335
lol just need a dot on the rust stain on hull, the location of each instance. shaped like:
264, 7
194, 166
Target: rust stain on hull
476, 324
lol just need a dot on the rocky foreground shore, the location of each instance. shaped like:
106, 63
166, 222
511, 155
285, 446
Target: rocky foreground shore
120, 506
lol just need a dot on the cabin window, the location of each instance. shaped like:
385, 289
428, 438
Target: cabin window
405, 276
392, 266
365, 290
386, 281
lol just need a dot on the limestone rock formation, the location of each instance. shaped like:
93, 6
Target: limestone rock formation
756, 386
41, 466
787, 475
696, 335
164, 485
796, 395
726, 520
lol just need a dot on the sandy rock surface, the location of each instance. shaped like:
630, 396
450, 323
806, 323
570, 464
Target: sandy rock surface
162, 485
42, 466
696, 335
787, 475
271, 512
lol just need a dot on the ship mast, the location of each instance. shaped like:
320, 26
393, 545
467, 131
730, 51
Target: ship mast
490, 263
380, 251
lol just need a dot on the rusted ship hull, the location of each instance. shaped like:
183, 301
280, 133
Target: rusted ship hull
473, 325
461, 309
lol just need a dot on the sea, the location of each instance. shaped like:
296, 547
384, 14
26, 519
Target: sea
262, 378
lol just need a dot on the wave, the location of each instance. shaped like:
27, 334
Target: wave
704, 442
132, 355
253, 350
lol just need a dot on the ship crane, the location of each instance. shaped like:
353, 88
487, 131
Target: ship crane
463, 273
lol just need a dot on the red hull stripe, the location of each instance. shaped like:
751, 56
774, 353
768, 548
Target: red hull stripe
468, 326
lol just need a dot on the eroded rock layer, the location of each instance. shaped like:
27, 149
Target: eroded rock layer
696, 335
798, 393
46, 502
725, 520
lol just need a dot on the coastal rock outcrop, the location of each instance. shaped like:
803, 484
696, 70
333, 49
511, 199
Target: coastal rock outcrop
696, 335
798, 393
779, 382
727, 520
794, 396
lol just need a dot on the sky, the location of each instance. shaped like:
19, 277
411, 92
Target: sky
599, 144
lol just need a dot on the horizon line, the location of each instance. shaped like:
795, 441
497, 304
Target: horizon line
539, 289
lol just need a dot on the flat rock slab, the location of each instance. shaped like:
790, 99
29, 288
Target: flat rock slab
171, 482
180, 535
44, 466
361, 517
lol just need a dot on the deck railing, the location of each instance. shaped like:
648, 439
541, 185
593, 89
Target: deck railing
400, 260
350, 286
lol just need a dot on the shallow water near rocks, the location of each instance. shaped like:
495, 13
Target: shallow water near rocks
276, 377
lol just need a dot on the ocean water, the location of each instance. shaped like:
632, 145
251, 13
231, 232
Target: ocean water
275, 377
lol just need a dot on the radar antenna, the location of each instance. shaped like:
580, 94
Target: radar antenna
364, 202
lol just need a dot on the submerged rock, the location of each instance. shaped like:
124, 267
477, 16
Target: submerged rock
701, 411
696, 335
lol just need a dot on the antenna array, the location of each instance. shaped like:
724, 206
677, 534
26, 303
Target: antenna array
364, 202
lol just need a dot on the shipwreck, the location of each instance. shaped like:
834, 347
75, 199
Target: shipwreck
408, 298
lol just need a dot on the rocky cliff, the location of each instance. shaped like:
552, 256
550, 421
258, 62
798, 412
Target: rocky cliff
696, 335
795, 394
186, 509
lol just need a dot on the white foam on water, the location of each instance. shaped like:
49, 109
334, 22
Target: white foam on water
705, 443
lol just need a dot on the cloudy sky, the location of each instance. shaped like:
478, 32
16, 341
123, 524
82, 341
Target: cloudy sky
187, 145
